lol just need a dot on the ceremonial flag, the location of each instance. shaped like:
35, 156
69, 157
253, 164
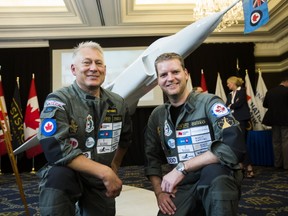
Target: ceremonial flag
255, 14
3, 149
203, 82
252, 103
219, 91
16, 119
260, 94
32, 120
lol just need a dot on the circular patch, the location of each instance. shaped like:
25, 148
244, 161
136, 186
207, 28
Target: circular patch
48, 127
219, 110
171, 143
255, 17
73, 142
90, 142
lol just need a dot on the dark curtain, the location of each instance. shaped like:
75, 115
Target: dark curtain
222, 58
22, 63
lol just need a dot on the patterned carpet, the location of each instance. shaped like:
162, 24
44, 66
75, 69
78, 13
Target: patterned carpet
264, 195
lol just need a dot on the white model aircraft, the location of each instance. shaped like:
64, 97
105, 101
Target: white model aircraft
140, 77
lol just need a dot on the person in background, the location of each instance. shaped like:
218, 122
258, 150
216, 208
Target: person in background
276, 101
237, 103
202, 143
85, 132
197, 89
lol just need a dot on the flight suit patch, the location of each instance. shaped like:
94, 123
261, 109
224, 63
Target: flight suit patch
48, 127
73, 127
89, 124
219, 110
225, 122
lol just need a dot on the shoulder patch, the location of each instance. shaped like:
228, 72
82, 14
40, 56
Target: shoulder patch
48, 127
219, 110
225, 122
54, 103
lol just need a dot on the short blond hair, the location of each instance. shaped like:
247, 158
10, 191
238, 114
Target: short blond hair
238, 81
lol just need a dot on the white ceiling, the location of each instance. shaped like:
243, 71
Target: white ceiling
35, 25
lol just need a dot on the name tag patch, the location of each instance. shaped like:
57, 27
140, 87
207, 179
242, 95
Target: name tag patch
192, 140
109, 134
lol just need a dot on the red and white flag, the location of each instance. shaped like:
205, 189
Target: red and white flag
3, 149
219, 91
32, 120
253, 105
203, 82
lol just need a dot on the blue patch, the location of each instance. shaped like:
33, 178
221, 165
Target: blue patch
48, 127
184, 140
105, 134
49, 109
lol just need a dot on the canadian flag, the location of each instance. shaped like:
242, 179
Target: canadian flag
4, 118
253, 105
32, 120
203, 82
219, 91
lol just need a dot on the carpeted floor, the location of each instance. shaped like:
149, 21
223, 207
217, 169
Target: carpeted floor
264, 195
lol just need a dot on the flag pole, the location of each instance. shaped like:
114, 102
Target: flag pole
33, 168
0, 166
33, 158
7, 138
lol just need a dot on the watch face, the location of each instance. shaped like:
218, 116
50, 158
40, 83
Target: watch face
180, 167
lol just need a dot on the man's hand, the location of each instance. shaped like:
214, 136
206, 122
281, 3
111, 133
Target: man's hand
170, 180
112, 183
165, 203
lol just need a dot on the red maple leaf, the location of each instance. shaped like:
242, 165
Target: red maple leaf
32, 117
255, 18
48, 126
220, 109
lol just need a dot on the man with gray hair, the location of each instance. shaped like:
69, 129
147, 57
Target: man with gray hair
85, 132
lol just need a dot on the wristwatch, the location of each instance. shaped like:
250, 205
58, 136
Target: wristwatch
181, 168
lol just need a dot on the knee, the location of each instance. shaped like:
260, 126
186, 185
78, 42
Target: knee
63, 179
55, 202
225, 188
225, 196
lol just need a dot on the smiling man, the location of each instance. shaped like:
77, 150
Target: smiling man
202, 143
85, 132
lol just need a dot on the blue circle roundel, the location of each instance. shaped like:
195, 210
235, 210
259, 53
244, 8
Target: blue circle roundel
48, 127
